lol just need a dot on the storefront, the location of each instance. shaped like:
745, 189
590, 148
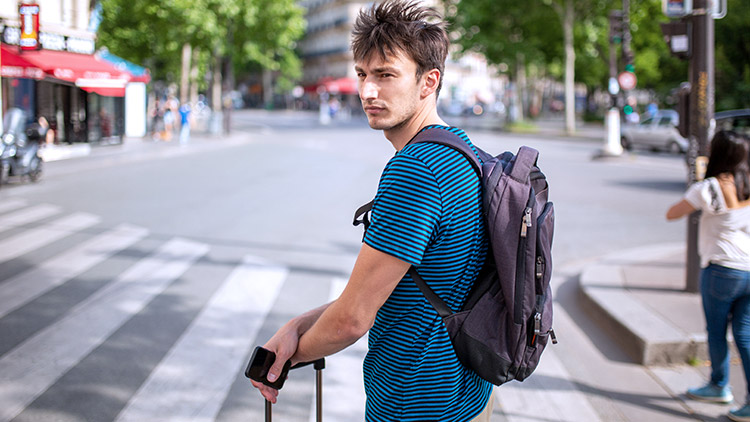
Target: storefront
80, 95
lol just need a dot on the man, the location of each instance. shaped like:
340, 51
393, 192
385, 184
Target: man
427, 213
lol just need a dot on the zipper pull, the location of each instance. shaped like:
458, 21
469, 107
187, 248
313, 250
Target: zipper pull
539, 267
552, 336
526, 223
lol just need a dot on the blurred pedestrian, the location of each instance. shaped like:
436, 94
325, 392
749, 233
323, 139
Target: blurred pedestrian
724, 247
427, 213
184, 123
49, 137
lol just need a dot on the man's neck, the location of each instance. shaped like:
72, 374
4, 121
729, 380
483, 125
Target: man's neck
401, 135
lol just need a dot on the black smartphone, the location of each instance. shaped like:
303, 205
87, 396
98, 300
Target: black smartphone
260, 363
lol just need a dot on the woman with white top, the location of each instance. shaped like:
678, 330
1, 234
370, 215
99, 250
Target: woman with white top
724, 248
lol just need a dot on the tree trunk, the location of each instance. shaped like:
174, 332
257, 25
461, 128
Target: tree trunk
187, 51
216, 105
267, 88
194, 80
570, 60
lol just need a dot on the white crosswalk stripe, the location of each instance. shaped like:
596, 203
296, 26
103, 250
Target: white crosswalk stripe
26, 286
32, 239
343, 388
11, 204
546, 395
27, 215
193, 379
37, 363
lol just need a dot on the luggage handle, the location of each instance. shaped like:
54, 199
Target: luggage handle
318, 365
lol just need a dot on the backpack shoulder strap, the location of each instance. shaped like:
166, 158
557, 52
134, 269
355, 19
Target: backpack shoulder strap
439, 135
439, 304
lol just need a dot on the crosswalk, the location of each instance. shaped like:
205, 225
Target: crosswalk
101, 323
193, 377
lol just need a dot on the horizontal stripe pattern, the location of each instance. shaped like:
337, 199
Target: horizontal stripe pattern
427, 212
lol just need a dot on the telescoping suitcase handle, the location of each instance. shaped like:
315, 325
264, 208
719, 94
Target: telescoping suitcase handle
318, 365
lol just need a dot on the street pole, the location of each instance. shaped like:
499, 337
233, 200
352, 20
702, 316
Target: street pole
612, 146
627, 52
701, 76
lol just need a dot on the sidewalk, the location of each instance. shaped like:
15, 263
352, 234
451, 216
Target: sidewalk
144, 145
639, 296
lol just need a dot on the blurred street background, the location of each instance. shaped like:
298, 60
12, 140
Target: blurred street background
137, 278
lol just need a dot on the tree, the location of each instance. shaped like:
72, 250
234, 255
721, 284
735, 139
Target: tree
226, 35
507, 31
733, 57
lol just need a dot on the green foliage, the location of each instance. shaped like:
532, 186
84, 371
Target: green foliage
250, 33
733, 57
507, 31
655, 67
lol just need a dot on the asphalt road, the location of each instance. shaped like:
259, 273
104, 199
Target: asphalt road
135, 281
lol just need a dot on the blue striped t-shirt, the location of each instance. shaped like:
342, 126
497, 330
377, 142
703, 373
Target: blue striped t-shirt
427, 212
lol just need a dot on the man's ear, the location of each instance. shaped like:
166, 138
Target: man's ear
430, 82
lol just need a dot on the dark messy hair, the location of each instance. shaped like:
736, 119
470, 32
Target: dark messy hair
729, 154
402, 26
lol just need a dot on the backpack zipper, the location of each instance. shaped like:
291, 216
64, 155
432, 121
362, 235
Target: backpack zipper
526, 222
521, 260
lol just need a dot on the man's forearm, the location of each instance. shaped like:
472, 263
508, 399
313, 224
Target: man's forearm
328, 335
304, 322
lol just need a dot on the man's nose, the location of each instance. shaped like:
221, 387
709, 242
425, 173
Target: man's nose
368, 90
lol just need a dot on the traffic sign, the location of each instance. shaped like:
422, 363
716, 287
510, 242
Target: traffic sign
627, 80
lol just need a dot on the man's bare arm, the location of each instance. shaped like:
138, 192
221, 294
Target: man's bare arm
334, 326
349, 317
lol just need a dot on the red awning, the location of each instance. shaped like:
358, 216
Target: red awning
14, 66
87, 72
346, 86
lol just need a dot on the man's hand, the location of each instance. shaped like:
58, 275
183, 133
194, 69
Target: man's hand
284, 345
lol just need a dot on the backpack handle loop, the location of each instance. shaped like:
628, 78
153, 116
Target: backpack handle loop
525, 160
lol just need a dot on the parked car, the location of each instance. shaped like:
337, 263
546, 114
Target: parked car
656, 133
736, 120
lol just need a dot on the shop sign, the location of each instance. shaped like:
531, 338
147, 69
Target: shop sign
80, 45
29, 39
50, 41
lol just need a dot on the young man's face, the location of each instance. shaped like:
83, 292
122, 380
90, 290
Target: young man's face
389, 90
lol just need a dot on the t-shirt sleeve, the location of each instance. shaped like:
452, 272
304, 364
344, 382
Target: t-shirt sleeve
406, 210
706, 196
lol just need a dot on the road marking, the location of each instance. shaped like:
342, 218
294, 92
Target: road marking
194, 378
32, 367
28, 215
12, 204
547, 395
343, 381
32, 239
31, 284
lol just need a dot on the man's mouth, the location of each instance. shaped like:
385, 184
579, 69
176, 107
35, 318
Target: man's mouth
374, 109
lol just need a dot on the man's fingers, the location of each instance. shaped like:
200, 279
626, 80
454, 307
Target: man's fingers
270, 394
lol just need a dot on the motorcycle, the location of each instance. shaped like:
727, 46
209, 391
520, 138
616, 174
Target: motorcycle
19, 149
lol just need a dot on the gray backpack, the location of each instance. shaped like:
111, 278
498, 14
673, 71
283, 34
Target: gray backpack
506, 322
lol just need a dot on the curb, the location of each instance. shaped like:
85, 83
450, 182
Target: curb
645, 334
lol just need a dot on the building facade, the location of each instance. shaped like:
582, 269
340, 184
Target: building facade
50, 69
